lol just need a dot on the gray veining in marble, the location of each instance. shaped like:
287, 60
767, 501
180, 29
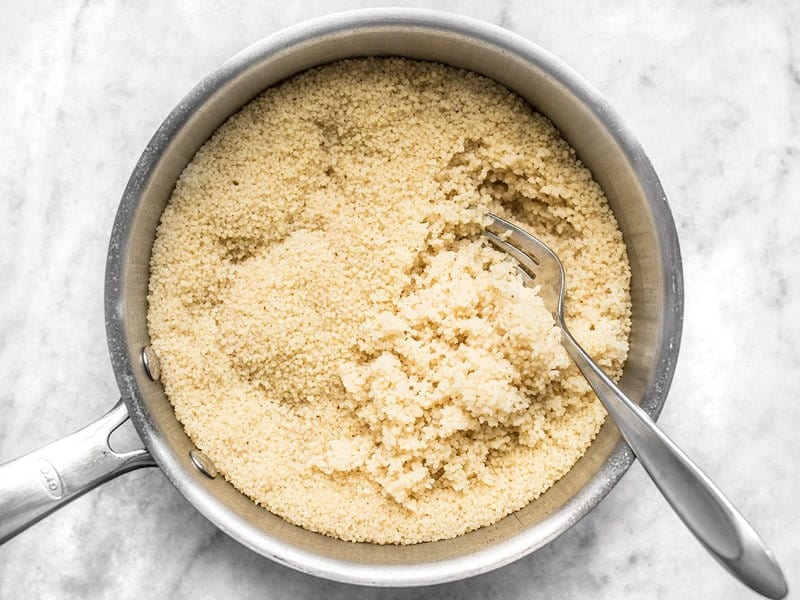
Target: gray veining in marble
712, 89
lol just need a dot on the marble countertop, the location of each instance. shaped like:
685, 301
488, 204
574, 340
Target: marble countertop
711, 90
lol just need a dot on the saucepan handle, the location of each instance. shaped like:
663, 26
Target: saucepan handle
34, 485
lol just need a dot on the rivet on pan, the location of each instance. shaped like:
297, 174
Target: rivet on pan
203, 463
151, 365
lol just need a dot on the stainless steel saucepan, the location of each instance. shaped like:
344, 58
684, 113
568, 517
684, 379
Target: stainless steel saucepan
36, 484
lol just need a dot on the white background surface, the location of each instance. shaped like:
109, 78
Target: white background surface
711, 90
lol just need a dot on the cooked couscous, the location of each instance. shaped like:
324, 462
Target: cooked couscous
338, 337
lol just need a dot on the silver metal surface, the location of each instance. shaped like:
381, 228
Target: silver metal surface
700, 504
203, 463
34, 485
152, 366
602, 143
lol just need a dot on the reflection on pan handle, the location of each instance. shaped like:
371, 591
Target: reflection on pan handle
34, 485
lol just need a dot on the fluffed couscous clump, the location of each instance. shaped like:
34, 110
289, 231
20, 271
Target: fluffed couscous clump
337, 336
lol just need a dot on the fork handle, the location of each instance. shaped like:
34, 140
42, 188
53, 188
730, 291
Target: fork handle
700, 504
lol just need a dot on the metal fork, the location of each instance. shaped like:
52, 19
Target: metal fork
708, 514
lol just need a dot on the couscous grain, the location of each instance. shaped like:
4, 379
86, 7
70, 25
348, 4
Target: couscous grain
335, 334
